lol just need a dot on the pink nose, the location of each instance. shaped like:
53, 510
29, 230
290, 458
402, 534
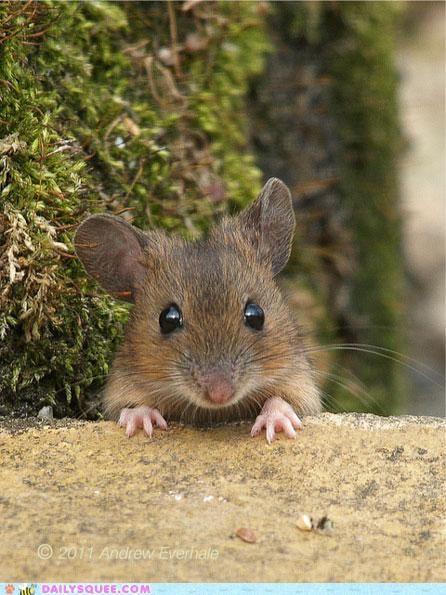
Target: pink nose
219, 388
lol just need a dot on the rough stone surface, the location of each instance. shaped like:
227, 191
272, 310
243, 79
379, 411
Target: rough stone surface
93, 495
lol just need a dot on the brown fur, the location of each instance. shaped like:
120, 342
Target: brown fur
211, 280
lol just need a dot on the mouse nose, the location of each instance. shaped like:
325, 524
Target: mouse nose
218, 386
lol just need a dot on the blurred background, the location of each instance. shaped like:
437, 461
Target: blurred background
170, 114
421, 64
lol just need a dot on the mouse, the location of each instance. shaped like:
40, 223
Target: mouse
210, 338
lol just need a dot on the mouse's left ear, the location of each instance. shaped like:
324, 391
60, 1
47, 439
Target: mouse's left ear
269, 223
112, 252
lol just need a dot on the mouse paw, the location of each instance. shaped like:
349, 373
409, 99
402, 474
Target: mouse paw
143, 417
276, 416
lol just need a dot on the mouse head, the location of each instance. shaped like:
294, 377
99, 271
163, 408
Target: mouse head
209, 328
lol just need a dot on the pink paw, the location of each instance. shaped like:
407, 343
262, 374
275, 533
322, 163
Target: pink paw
141, 417
276, 416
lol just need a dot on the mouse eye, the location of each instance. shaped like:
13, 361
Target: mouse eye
254, 316
170, 319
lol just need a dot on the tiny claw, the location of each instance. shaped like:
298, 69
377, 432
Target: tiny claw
287, 427
258, 425
270, 432
143, 417
147, 425
276, 416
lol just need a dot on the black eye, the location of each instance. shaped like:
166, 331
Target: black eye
170, 319
254, 316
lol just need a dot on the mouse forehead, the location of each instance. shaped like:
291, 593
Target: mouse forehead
213, 273
205, 278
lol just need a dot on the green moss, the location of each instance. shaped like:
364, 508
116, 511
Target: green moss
93, 119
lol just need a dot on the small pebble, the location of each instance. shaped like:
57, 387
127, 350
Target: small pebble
324, 525
305, 522
46, 413
246, 534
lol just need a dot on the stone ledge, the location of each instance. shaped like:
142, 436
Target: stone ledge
177, 501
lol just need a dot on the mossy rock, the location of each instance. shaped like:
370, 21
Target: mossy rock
134, 108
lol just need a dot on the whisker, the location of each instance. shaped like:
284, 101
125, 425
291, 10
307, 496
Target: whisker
387, 350
378, 351
328, 400
358, 392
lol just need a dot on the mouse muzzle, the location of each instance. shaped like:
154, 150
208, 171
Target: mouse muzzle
218, 385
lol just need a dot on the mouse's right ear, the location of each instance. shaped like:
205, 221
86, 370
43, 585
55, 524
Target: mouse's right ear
268, 223
112, 250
